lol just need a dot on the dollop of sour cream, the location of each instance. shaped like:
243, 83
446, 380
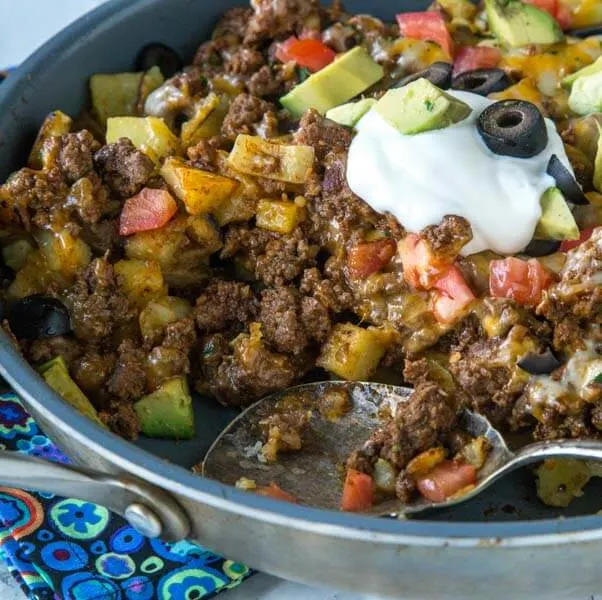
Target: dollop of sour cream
421, 178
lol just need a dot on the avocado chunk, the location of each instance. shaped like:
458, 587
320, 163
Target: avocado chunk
586, 94
349, 114
557, 221
421, 106
345, 78
56, 375
595, 67
516, 24
167, 412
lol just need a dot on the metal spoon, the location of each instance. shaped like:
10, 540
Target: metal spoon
314, 474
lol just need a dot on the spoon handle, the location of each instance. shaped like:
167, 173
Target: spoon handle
579, 449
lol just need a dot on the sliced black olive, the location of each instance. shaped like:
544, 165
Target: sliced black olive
539, 364
542, 247
566, 182
513, 128
586, 32
482, 81
439, 74
37, 317
159, 55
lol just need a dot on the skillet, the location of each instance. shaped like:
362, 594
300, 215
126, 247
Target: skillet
527, 553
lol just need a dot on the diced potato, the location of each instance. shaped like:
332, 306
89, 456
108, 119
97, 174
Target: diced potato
149, 134
64, 252
202, 230
15, 254
114, 95
280, 216
255, 156
200, 191
182, 261
189, 135
35, 277
559, 481
476, 452
352, 352
140, 280
161, 312
212, 125
426, 461
57, 123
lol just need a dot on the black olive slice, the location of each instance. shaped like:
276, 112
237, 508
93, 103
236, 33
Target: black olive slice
439, 74
159, 55
513, 128
566, 182
36, 317
482, 81
542, 248
539, 364
586, 32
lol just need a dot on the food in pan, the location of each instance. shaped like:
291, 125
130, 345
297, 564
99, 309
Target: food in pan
318, 195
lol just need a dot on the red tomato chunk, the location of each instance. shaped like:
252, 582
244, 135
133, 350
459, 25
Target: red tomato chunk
451, 297
523, 281
370, 257
358, 492
446, 479
570, 244
469, 58
426, 26
276, 492
310, 53
150, 209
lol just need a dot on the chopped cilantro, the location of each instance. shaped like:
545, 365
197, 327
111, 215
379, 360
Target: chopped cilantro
303, 73
429, 105
597, 379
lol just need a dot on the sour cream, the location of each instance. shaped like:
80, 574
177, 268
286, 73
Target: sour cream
421, 178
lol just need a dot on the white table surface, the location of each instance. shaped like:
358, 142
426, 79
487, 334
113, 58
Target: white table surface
25, 25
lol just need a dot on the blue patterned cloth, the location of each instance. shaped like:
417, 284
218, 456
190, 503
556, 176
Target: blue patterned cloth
67, 549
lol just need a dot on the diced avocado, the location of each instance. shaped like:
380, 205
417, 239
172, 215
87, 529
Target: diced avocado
56, 375
516, 23
167, 412
557, 221
420, 106
345, 78
349, 114
595, 67
586, 94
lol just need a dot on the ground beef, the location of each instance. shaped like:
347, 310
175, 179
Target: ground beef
123, 420
180, 334
44, 350
276, 18
204, 154
91, 372
165, 362
128, 379
330, 291
323, 135
285, 323
225, 304
449, 237
124, 168
244, 61
97, 306
76, 154
251, 372
265, 83
574, 304
103, 237
419, 424
233, 23
90, 198
247, 114
405, 487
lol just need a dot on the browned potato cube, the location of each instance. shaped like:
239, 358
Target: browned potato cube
140, 280
280, 216
57, 123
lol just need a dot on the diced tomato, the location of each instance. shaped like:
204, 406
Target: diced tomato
445, 480
420, 268
358, 492
365, 259
469, 58
426, 26
276, 492
570, 244
523, 281
150, 209
451, 297
550, 6
308, 52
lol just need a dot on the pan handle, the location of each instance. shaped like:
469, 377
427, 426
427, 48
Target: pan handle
150, 510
